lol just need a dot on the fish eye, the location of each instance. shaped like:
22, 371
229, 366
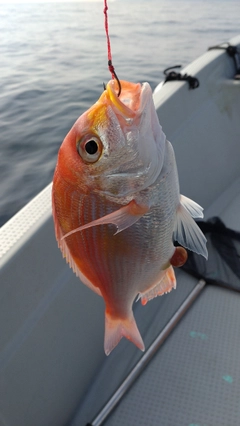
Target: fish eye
89, 148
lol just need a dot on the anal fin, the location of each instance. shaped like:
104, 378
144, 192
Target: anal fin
165, 285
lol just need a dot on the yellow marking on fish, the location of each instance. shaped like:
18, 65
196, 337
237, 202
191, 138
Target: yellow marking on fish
120, 105
98, 113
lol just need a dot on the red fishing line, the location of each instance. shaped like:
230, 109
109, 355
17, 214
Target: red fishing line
111, 68
110, 65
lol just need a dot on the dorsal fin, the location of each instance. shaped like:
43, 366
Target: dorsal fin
188, 234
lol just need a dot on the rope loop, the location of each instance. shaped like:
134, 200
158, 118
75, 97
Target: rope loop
233, 52
193, 82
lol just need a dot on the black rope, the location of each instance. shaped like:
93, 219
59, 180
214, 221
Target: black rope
193, 82
233, 52
223, 265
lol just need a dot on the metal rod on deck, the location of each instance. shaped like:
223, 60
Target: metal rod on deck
141, 364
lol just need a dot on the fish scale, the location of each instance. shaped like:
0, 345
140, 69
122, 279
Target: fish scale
117, 207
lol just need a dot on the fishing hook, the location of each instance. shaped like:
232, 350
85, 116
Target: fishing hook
112, 70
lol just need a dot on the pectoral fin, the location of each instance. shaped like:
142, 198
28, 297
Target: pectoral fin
187, 233
122, 218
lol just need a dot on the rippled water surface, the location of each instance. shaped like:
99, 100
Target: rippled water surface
54, 60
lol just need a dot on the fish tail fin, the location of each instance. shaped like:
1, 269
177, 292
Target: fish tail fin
116, 328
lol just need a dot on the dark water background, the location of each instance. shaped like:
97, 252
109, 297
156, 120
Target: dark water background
53, 60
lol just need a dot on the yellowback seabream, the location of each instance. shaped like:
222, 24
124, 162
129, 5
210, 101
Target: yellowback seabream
117, 206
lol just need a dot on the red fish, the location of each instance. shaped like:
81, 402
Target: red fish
117, 206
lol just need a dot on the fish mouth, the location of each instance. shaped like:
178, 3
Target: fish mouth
132, 99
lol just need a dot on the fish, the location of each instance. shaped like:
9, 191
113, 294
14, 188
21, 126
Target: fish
117, 206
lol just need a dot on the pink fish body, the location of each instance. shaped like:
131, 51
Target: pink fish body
117, 206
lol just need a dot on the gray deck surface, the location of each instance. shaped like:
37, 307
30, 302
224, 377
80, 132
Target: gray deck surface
151, 319
194, 379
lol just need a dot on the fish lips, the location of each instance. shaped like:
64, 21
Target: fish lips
132, 100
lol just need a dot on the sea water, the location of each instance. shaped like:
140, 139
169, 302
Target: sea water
53, 62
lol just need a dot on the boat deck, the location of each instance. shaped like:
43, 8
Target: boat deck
194, 377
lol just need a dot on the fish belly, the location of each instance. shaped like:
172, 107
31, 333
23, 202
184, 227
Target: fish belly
130, 262
120, 266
